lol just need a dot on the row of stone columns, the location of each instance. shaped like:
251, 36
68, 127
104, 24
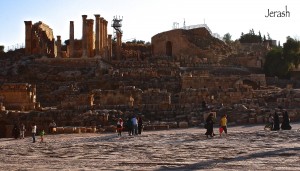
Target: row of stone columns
101, 46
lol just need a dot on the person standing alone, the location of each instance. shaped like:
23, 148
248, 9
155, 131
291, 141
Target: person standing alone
140, 125
22, 131
134, 125
33, 131
120, 126
210, 125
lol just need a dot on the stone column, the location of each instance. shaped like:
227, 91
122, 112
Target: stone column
109, 47
58, 45
71, 41
50, 47
101, 35
105, 34
119, 45
84, 44
105, 39
90, 38
97, 39
28, 37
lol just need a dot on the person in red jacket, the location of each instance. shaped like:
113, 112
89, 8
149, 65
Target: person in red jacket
120, 126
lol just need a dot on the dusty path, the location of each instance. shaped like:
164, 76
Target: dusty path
245, 148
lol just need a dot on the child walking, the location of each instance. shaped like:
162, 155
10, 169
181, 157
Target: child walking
223, 125
119, 126
42, 133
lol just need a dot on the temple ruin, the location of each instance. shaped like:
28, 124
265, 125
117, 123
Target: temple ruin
94, 42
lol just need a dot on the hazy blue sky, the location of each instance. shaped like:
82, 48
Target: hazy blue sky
142, 19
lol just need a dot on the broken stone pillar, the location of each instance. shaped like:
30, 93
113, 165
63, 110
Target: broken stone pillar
109, 47
58, 45
28, 38
90, 38
71, 41
84, 44
101, 35
97, 39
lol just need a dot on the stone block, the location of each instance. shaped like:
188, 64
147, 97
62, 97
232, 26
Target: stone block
69, 130
59, 130
149, 127
83, 129
77, 130
252, 120
183, 125
89, 130
260, 119
161, 127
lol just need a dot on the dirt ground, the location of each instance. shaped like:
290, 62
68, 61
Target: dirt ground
245, 148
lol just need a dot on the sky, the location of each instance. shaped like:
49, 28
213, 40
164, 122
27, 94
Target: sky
143, 19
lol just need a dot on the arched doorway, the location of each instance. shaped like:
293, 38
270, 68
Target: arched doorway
169, 48
253, 84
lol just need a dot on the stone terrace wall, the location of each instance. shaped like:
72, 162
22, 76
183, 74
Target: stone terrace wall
18, 96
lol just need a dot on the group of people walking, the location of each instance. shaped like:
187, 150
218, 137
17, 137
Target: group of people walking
134, 125
20, 129
274, 122
209, 125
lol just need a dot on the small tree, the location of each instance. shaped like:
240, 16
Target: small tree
291, 51
268, 36
227, 38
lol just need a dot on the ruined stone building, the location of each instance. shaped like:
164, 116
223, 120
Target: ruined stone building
39, 39
189, 46
94, 43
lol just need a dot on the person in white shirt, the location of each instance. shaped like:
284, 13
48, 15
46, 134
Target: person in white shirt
22, 130
33, 131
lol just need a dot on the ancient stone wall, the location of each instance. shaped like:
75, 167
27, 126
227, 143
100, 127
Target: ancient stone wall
18, 96
125, 95
156, 96
79, 102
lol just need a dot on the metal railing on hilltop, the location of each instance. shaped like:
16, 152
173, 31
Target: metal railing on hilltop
14, 47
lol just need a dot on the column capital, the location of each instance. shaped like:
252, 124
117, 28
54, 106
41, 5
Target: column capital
97, 15
84, 16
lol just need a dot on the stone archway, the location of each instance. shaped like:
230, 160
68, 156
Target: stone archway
169, 48
253, 84
246, 81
